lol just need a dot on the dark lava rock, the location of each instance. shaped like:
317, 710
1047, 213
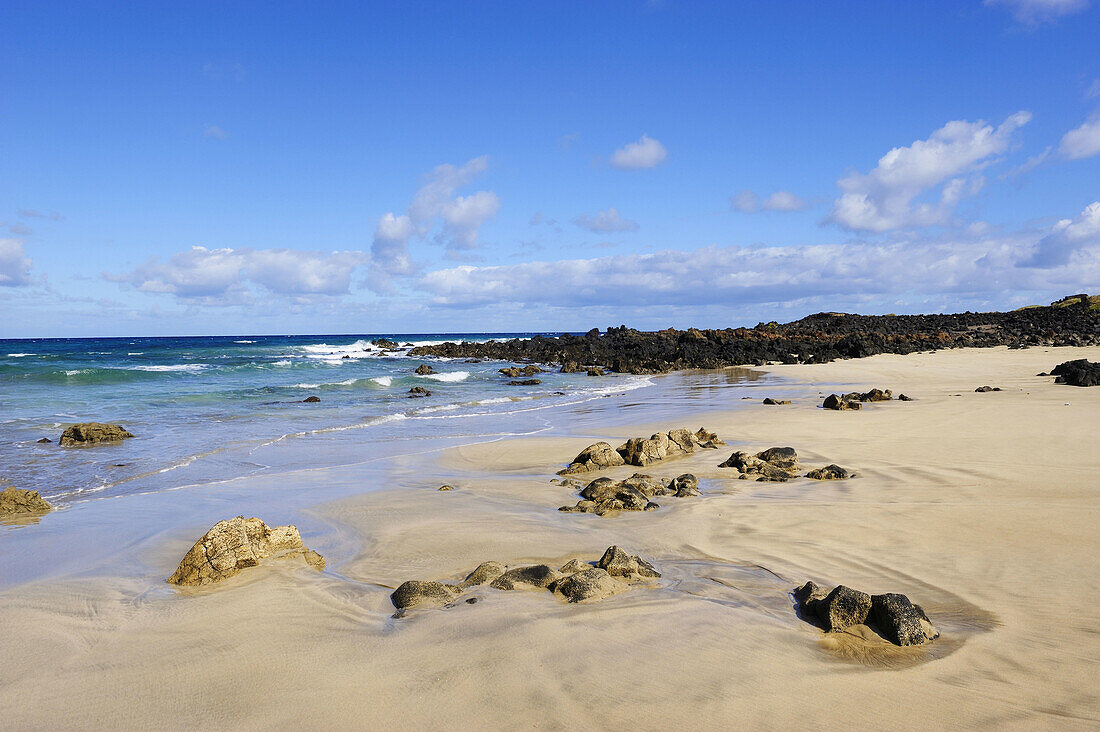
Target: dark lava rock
839, 404
983, 389
415, 593
1077, 373
525, 382
418, 391
903, 398
514, 372
817, 338
900, 621
774, 464
93, 433
596, 371
383, 343
843, 608
875, 395
830, 472
776, 402
311, 400
424, 370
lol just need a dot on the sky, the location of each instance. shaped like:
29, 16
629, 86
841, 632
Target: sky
415, 167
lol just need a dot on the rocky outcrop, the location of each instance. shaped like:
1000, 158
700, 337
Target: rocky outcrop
525, 382
840, 404
233, 545
604, 496
383, 343
817, 338
93, 433
576, 581
17, 501
779, 464
514, 372
595, 371
890, 615
643, 451
424, 370
1081, 372
594, 457
418, 392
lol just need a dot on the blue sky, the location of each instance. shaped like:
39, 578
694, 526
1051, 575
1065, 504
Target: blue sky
197, 168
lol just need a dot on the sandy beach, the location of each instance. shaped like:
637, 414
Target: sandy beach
982, 507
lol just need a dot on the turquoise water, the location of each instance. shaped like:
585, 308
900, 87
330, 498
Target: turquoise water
215, 408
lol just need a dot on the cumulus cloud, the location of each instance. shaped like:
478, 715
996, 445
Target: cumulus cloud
644, 153
735, 276
1082, 142
15, 267
215, 274
1070, 240
886, 198
1034, 12
605, 221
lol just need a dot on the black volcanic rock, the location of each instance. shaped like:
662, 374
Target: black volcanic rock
1077, 373
814, 339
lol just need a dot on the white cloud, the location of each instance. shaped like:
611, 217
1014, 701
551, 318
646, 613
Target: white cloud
213, 131
1094, 90
885, 198
30, 213
1034, 12
1070, 240
745, 201
964, 263
15, 267
645, 153
605, 221
783, 201
1082, 142
220, 276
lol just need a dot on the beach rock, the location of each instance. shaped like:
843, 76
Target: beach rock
415, 593
596, 371
647, 485
707, 440
43, 440
830, 472
684, 486
807, 595
776, 402
485, 573
590, 584
383, 343
572, 367
311, 400
642, 451
19, 500
514, 372
93, 433
525, 382
875, 395
594, 457
237, 544
835, 402
445, 488
983, 389
1081, 372
418, 392
536, 575
900, 621
424, 370
783, 457
842, 608
574, 565
774, 464
903, 398
620, 564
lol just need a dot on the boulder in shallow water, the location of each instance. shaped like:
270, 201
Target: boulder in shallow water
237, 544
525, 382
418, 391
424, 370
594, 457
43, 440
415, 593
900, 621
93, 433
311, 400
19, 500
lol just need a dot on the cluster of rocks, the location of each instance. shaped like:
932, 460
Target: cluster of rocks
779, 464
87, 434
642, 451
576, 581
855, 399
605, 496
572, 367
233, 545
891, 615
524, 382
985, 389
515, 372
1081, 372
816, 338
418, 391
424, 370
16, 501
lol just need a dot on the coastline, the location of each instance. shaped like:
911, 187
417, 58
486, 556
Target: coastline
981, 506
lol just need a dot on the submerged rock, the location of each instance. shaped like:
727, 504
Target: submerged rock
237, 544
93, 433
311, 400
514, 372
445, 488
15, 501
525, 382
43, 440
418, 392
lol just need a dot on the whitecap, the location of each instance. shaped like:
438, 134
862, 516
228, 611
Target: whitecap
19, 355
451, 376
383, 380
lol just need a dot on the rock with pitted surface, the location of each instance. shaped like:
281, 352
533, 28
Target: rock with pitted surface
891, 615
594, 457
642, 451
16, 501
572, 367
843, 608
900, 621
1081, 372
424, 370
93, 433
835, 402
604, 496
830, 472
576, 581
237, 544
774, 464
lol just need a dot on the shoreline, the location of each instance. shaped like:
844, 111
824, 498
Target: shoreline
980, 506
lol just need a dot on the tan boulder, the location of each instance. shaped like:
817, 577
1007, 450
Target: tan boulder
19, 501
236, 544
93, 433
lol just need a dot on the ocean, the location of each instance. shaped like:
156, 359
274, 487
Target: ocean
210, 409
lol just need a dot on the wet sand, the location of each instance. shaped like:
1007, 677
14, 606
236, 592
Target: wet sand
981, 507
